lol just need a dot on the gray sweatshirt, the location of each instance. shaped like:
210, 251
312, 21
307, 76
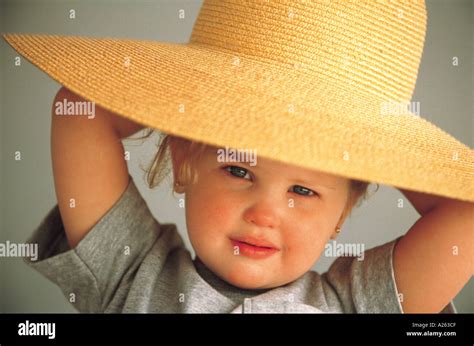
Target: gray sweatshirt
129, 262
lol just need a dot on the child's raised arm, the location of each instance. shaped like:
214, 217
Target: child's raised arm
90, 171
434, 260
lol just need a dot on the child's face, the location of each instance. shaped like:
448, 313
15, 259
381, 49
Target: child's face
270, 201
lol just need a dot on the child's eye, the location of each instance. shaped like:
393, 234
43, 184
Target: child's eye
238, 172
303, 191
242, 173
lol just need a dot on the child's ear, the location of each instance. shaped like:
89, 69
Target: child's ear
345, 213
350, 203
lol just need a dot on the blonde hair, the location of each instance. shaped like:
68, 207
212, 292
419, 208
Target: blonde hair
160, 166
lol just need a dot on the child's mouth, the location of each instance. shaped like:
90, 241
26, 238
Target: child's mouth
252, 251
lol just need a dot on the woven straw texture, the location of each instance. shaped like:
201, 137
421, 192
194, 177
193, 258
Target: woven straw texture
302, 82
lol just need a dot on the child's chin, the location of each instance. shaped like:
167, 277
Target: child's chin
246, 277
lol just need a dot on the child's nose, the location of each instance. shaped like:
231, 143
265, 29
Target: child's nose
262, 216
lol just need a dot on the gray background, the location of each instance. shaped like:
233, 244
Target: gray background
27, 190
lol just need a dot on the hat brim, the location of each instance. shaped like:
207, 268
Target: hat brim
286, 115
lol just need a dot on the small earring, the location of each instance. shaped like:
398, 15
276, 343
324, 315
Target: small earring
338, 230
178, 187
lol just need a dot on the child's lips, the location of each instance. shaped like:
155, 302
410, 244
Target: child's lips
256, 242
252, 251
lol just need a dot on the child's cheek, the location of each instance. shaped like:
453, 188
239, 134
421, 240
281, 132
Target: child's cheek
303, 245
212, 213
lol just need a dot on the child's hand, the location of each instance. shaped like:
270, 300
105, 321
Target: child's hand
90, 171
434, 260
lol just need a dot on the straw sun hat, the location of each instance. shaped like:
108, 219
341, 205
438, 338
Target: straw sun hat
309, 83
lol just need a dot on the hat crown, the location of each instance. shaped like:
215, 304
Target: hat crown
371, 44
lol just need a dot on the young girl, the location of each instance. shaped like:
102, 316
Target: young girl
253, 251
302, 82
